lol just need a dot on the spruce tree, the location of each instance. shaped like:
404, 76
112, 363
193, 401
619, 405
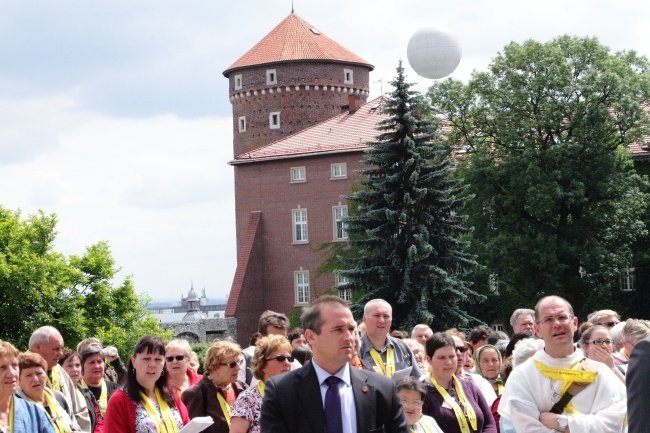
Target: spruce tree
406, 233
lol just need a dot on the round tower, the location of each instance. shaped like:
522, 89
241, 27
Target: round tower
292, 79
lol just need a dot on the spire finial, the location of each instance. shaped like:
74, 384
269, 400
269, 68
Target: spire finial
291, 6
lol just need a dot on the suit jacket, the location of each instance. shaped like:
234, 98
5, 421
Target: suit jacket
293, 403
638, 383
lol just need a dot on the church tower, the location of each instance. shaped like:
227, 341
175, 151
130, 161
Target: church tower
292, 79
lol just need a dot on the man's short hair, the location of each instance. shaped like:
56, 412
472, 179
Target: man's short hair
42, 335
599, 315
271, 318
480, 333
420, 326
518, 312
548, 297
372, 302
311, 316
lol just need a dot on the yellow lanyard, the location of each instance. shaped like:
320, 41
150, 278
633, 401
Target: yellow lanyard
569, 376
390, 361
11, 415
55, 383
103, 397
458, 411
260, 387
225, 408
55, 412
499, 389
167, 423
425, 427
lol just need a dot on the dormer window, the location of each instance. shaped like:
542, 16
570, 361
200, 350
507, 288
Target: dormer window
348, 76
238, 82
271, 77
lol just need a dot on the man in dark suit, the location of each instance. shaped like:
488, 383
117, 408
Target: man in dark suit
638, 383
294, 402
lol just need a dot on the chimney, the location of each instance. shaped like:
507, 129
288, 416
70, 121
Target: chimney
354, 103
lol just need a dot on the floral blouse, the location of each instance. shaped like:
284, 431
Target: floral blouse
249, 406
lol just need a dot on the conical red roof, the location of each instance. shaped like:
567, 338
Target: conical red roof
295, 39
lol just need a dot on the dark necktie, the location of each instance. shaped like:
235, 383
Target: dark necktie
333, 418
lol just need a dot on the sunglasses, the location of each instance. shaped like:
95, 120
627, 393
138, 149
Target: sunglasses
281, 358
609, 324
461, 349
232, 364
177, 358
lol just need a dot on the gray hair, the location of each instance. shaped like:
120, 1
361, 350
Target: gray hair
617, 334
599, 315
416, 327
372, 302
42, 335
518, 312
635, 330
525, 349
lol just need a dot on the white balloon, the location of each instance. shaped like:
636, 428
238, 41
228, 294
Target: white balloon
433, 52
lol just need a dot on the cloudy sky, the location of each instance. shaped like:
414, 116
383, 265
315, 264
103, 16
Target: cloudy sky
115, 115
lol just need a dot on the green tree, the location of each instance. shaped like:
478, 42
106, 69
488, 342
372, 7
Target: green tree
406, 232
557, 204
76, 295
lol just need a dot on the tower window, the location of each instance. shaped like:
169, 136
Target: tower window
242, 124
348, 76
238, 82
271, 76
274, 120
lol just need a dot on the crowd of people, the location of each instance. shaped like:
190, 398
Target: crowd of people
335, 375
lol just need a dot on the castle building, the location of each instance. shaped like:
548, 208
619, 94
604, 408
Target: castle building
300, 124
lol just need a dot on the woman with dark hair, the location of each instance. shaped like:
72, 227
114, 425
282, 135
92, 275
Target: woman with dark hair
456, 404
597, 344
146, 404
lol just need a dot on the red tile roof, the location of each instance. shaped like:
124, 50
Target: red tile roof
295, 39
346, 132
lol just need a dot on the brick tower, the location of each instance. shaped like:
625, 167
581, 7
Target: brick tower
292, 79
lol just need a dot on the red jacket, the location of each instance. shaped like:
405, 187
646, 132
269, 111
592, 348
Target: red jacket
120, 414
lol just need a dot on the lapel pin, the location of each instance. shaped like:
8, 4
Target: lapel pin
364, 389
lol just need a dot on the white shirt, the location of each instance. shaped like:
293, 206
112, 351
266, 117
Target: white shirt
348, 408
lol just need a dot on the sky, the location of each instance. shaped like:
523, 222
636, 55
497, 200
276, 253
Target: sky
115, 115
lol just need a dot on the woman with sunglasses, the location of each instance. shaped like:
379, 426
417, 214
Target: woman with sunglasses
456, 404
215, 394
597, 344
146, 404
271, 357
177, 366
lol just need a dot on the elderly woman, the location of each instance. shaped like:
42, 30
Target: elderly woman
418, 352
31, 382
411, 394
271, 357
179, 374
457, 405
216, 393
99, 389
71, 363
17, 415
146, 404
488, 365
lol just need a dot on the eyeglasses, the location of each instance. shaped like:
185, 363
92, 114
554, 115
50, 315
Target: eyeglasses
461, 349
600, 342
280, 358
177, 358
232, 364
549, 320
609, 324
412, 403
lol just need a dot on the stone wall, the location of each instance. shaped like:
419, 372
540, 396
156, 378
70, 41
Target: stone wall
204, 331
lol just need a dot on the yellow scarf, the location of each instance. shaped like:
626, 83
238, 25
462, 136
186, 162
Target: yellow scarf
167, 423
390, 361
55, 382
11, 415
425, 427
458, 411
573, 374
55, 412
260, 387
103, 397
225, 408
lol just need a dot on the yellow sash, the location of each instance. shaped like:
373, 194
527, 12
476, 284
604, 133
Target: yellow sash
55, 412
569, 376
458, 411
103, 397
55, 382
260, 387
167, 423
225, 408
419, 422
11, 415
390, 361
